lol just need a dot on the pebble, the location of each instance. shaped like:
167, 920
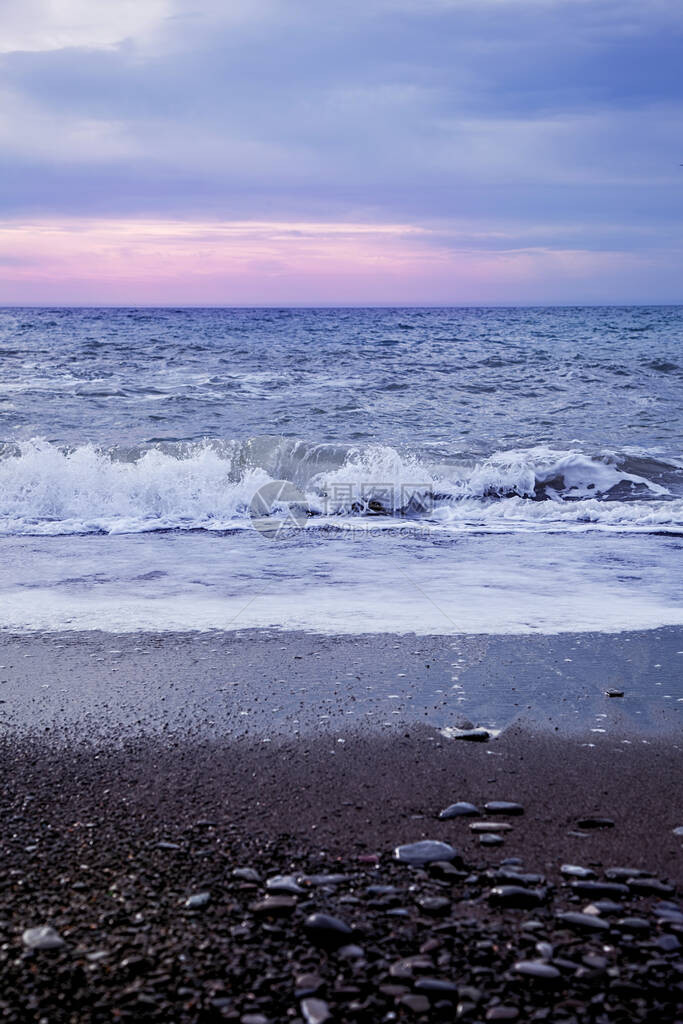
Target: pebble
614, 693
536, 969
274, 906
650, 887
424, 851
591, 888
246, 874
43, 937
437, 988
634, 924
576, 871
589, 922
621, 874
668, 943
603, 907
503, 807
516, 896
198, 900
678, 831
545, 950
502, 1013
164, 845
490, 826
491, 839
253, 1018
284, 883
435, 905
459, 810
477, 735
315, 1011
417, 1003
595, 823
324, 930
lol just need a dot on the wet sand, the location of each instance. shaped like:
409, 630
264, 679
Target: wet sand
125, 792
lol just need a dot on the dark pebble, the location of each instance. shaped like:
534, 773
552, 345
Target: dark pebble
435, 905
650, 887
576, 871
516, 896
416, 1003
436, 988
327, 931
595, 823
598, 889
315, 1011
502, 1013
459, 810
274, 906
503, 807
424, 851
536, 969
588, 922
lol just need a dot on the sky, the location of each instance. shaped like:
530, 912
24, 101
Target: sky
341, 152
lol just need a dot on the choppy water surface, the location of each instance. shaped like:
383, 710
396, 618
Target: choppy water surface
454, 470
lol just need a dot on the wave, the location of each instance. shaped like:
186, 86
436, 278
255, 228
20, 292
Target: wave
209, 485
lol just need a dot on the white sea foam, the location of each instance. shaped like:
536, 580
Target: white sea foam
47, 490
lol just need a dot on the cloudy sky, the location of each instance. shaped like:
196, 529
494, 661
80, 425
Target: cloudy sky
315, 152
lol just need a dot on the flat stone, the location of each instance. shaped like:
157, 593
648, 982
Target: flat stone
274, 906
678, 831
502, 1013
614, 692
284, 883
603, 907
424, 851
436, 905
253, 1018
490, 826
165, 845
42, 938
536, 969
634, 924
409, 966
545, 950
315, 1011
516, 896
592, 889
326, 931
436, 988
246, 874
460, 810
623, 874
491, 839
416, 1003
596, 822
588, 922
650, 887
351, 952
477, 735
503, 807
198, 900
576, 871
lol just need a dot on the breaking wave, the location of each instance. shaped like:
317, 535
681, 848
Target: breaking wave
47, 489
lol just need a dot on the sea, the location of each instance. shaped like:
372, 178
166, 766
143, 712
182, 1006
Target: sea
348, 471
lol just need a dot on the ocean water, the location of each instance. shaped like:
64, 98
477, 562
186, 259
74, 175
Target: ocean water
426, 470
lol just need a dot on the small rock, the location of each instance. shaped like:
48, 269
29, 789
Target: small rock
274, 906
503, 807
589, 922
253, 1018
650, 887
536, 969
424, 851
634, 924
491, 839
603, 907
198, 900
516, 896
592, 889
326, 931
315, 1011
351, 952
460, 810
417, 1003
614, 693
436, 988
284, 883
678, 831
307, 985
576, 871
490, 826
545, 950
436, 905
477, 735
502, 1013
668, 943
42, 938
592, 822
164, 845
246, 874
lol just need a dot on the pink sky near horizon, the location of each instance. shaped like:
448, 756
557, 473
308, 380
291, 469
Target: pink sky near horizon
85, 261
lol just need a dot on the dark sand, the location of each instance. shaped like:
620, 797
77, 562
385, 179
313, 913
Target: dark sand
99, 767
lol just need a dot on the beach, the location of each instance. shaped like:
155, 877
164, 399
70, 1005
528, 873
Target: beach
180, 852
